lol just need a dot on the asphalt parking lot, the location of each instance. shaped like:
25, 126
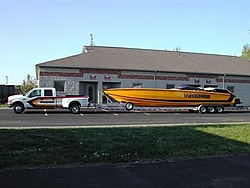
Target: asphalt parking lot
60, 118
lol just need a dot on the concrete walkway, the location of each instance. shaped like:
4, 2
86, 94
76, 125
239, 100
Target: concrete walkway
208, 172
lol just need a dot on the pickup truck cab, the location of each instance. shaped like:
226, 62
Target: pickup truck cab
45, 98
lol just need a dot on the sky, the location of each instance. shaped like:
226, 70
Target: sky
37, 31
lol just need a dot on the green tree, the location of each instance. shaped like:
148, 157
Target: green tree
245, 53
28, 84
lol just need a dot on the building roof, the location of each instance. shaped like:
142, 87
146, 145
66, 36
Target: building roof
100, 57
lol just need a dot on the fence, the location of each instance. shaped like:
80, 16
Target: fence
5, 92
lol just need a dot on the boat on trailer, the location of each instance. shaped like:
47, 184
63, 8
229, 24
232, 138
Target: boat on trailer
204, 100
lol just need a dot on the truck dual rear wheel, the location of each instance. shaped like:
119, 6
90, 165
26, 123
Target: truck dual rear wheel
74, 108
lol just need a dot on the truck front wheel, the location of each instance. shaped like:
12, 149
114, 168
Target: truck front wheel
74, 108
18, 108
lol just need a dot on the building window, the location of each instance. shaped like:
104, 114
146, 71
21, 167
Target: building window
107, 77
137, 85
170, 86
59, 85
208, 81
196, 80
92, 76
231, 88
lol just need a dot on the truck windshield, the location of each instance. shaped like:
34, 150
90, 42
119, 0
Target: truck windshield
26, 94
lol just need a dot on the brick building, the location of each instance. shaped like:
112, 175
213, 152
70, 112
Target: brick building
98, 68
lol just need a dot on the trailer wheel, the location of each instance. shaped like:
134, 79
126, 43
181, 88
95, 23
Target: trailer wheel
202, 109
211, 109
129, 106
219, 109
74, 108
18, 108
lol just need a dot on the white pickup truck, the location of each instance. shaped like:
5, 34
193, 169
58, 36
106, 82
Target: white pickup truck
45, 98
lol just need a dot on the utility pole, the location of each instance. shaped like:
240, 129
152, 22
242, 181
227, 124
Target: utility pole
6, 80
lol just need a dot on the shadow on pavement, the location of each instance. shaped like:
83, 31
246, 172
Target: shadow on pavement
211, 172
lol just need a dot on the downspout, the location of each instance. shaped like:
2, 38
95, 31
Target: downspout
155, 78
224, 81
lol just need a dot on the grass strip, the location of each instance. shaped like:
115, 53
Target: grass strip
3, 105
80, 146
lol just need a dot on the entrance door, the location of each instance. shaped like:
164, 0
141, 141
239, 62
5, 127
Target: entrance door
91, 92
90, 89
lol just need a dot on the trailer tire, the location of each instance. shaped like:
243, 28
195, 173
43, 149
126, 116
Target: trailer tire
211, 109
18, 108
219, 109
74, 108
202, 109
129, 106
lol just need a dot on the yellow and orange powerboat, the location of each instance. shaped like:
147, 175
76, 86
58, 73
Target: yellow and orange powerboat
205, 100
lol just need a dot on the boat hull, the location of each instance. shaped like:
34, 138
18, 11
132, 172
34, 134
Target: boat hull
152, 97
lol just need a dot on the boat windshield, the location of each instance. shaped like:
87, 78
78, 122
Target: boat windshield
217, 90
188, 87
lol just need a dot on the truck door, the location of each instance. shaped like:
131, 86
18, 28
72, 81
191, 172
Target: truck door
40, 98
48, 100
30, 100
